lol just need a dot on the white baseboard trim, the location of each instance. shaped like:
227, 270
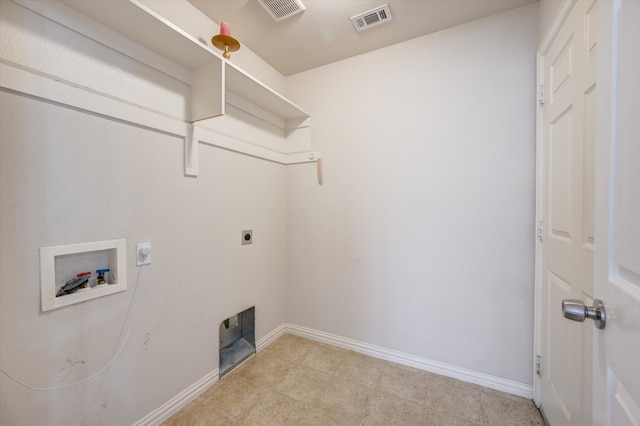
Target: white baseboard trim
172, 406
269, 338
493, 382
169, 408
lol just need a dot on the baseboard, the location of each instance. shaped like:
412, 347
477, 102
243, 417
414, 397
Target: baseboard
269, 338
167, 409
172, 406
498, 383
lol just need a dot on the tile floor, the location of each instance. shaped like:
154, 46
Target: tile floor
296, 381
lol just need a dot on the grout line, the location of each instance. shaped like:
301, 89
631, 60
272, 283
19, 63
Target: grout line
295, 358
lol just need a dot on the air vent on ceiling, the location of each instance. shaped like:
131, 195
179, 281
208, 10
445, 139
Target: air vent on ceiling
282, 9
371, 18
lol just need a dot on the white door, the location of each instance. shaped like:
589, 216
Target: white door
617, 255
567, 212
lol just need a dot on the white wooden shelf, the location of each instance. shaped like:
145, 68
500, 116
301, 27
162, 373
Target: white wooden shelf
245, 86
229, 107
214, 77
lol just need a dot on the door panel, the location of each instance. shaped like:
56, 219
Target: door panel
568, 217
561, 369
561, 136
617, 220
589, 165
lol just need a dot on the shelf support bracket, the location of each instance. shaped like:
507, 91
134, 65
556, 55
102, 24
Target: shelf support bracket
191, 142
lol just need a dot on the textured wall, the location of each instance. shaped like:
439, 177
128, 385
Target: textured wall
421, 239
69, 177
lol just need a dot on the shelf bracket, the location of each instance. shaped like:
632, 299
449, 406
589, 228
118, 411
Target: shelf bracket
191, 142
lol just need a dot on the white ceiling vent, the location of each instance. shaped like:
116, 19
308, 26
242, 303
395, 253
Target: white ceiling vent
282, 9
371, 18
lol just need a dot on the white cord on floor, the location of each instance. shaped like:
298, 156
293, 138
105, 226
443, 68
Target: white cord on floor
130, 311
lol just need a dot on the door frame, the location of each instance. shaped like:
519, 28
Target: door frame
543, 48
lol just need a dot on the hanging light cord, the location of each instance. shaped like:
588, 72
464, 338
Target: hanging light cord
131, 311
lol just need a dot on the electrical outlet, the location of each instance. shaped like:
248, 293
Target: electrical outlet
247, 237
143, 254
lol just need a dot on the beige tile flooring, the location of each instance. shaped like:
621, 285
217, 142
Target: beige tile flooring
296, 381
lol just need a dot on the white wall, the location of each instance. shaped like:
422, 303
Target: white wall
69, 177
421, 239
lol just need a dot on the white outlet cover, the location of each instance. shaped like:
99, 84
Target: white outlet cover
143, 254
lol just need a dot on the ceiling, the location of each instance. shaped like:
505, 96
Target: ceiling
323, 33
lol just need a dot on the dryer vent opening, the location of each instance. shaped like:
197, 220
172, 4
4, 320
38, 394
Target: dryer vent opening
237, 339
